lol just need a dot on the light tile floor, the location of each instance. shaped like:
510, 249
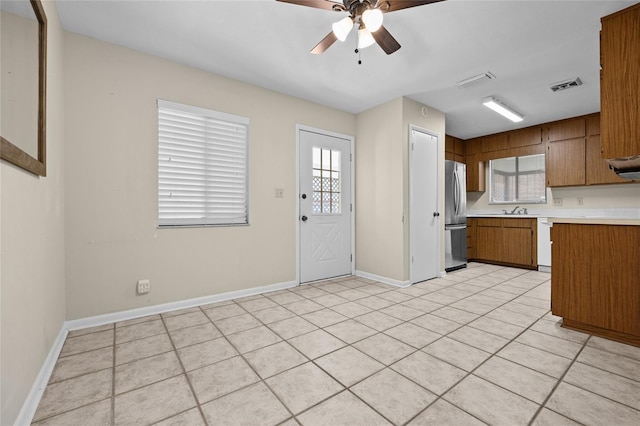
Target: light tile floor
478, 346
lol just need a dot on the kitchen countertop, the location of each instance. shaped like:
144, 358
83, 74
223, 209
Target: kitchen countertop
516, 216
594, 221
585, 215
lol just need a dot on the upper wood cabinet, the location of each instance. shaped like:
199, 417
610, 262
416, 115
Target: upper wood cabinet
525, 137
566, 163
598, 171
619, 83
496, 142
473, 146
593, 124
453, 149
475, 166
566, 152
567, 129
572, 149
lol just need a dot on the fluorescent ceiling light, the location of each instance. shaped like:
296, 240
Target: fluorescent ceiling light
475, 79
502, 109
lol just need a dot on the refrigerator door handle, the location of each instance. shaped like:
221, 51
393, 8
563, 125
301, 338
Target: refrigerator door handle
455, 192
454, 227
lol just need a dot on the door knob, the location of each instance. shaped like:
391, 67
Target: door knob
436, 214
304, 218
304, 196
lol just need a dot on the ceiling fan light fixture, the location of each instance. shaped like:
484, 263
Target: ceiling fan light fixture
342, 28
372, 19
494, 104
365, 39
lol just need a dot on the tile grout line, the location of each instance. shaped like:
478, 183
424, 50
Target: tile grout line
420, 349
558, 382
260, 379
184, 373
385, 366
113, 379
479, 365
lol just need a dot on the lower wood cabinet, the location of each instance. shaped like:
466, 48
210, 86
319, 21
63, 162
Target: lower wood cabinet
595, 279
508, 241
471, 238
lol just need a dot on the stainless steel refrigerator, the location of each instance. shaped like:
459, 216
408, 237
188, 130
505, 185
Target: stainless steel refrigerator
455, 209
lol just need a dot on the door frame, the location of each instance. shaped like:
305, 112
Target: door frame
440, 226
351, 140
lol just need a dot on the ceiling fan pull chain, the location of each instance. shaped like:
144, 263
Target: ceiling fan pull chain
358, 53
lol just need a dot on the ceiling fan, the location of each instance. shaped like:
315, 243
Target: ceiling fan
367, 15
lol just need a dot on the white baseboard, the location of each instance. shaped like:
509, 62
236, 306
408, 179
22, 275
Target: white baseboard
543, 268
30, 404
172, 306
390, 281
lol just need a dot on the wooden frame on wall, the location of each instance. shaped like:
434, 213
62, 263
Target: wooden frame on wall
10, 151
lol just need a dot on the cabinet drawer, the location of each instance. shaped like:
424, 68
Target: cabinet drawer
516, 223
489, 222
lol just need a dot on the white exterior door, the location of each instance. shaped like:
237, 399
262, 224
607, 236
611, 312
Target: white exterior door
325, 206
424, 216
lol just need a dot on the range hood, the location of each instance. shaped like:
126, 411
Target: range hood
626, 167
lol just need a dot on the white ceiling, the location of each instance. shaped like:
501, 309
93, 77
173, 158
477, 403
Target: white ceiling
527, 45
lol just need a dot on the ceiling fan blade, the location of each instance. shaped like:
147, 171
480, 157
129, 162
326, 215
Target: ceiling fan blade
324, 44
385, 40
318, 4
404, 4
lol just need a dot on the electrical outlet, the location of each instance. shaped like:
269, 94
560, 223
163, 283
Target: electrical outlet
279, 193
144, 286
580, 201
557, 201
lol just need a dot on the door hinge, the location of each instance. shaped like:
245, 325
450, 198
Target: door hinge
350, 207
350, 157
351, 258
412, 146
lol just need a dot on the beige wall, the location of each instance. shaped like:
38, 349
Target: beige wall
379, 191
382, 185
111, 160
32, 277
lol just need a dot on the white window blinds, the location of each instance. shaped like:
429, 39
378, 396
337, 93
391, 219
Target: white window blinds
202, 166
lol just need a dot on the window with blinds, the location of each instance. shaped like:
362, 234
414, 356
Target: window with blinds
202, 166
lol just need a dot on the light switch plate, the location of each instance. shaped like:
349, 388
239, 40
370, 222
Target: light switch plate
279, 193
557, 201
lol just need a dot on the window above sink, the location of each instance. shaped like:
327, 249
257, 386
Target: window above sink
517, 180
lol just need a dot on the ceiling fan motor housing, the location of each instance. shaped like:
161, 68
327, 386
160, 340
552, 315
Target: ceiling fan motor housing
357, 7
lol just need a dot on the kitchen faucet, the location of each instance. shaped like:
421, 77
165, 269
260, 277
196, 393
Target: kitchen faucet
514, 210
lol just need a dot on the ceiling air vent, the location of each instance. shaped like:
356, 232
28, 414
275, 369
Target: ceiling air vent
564, 85
462, 84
